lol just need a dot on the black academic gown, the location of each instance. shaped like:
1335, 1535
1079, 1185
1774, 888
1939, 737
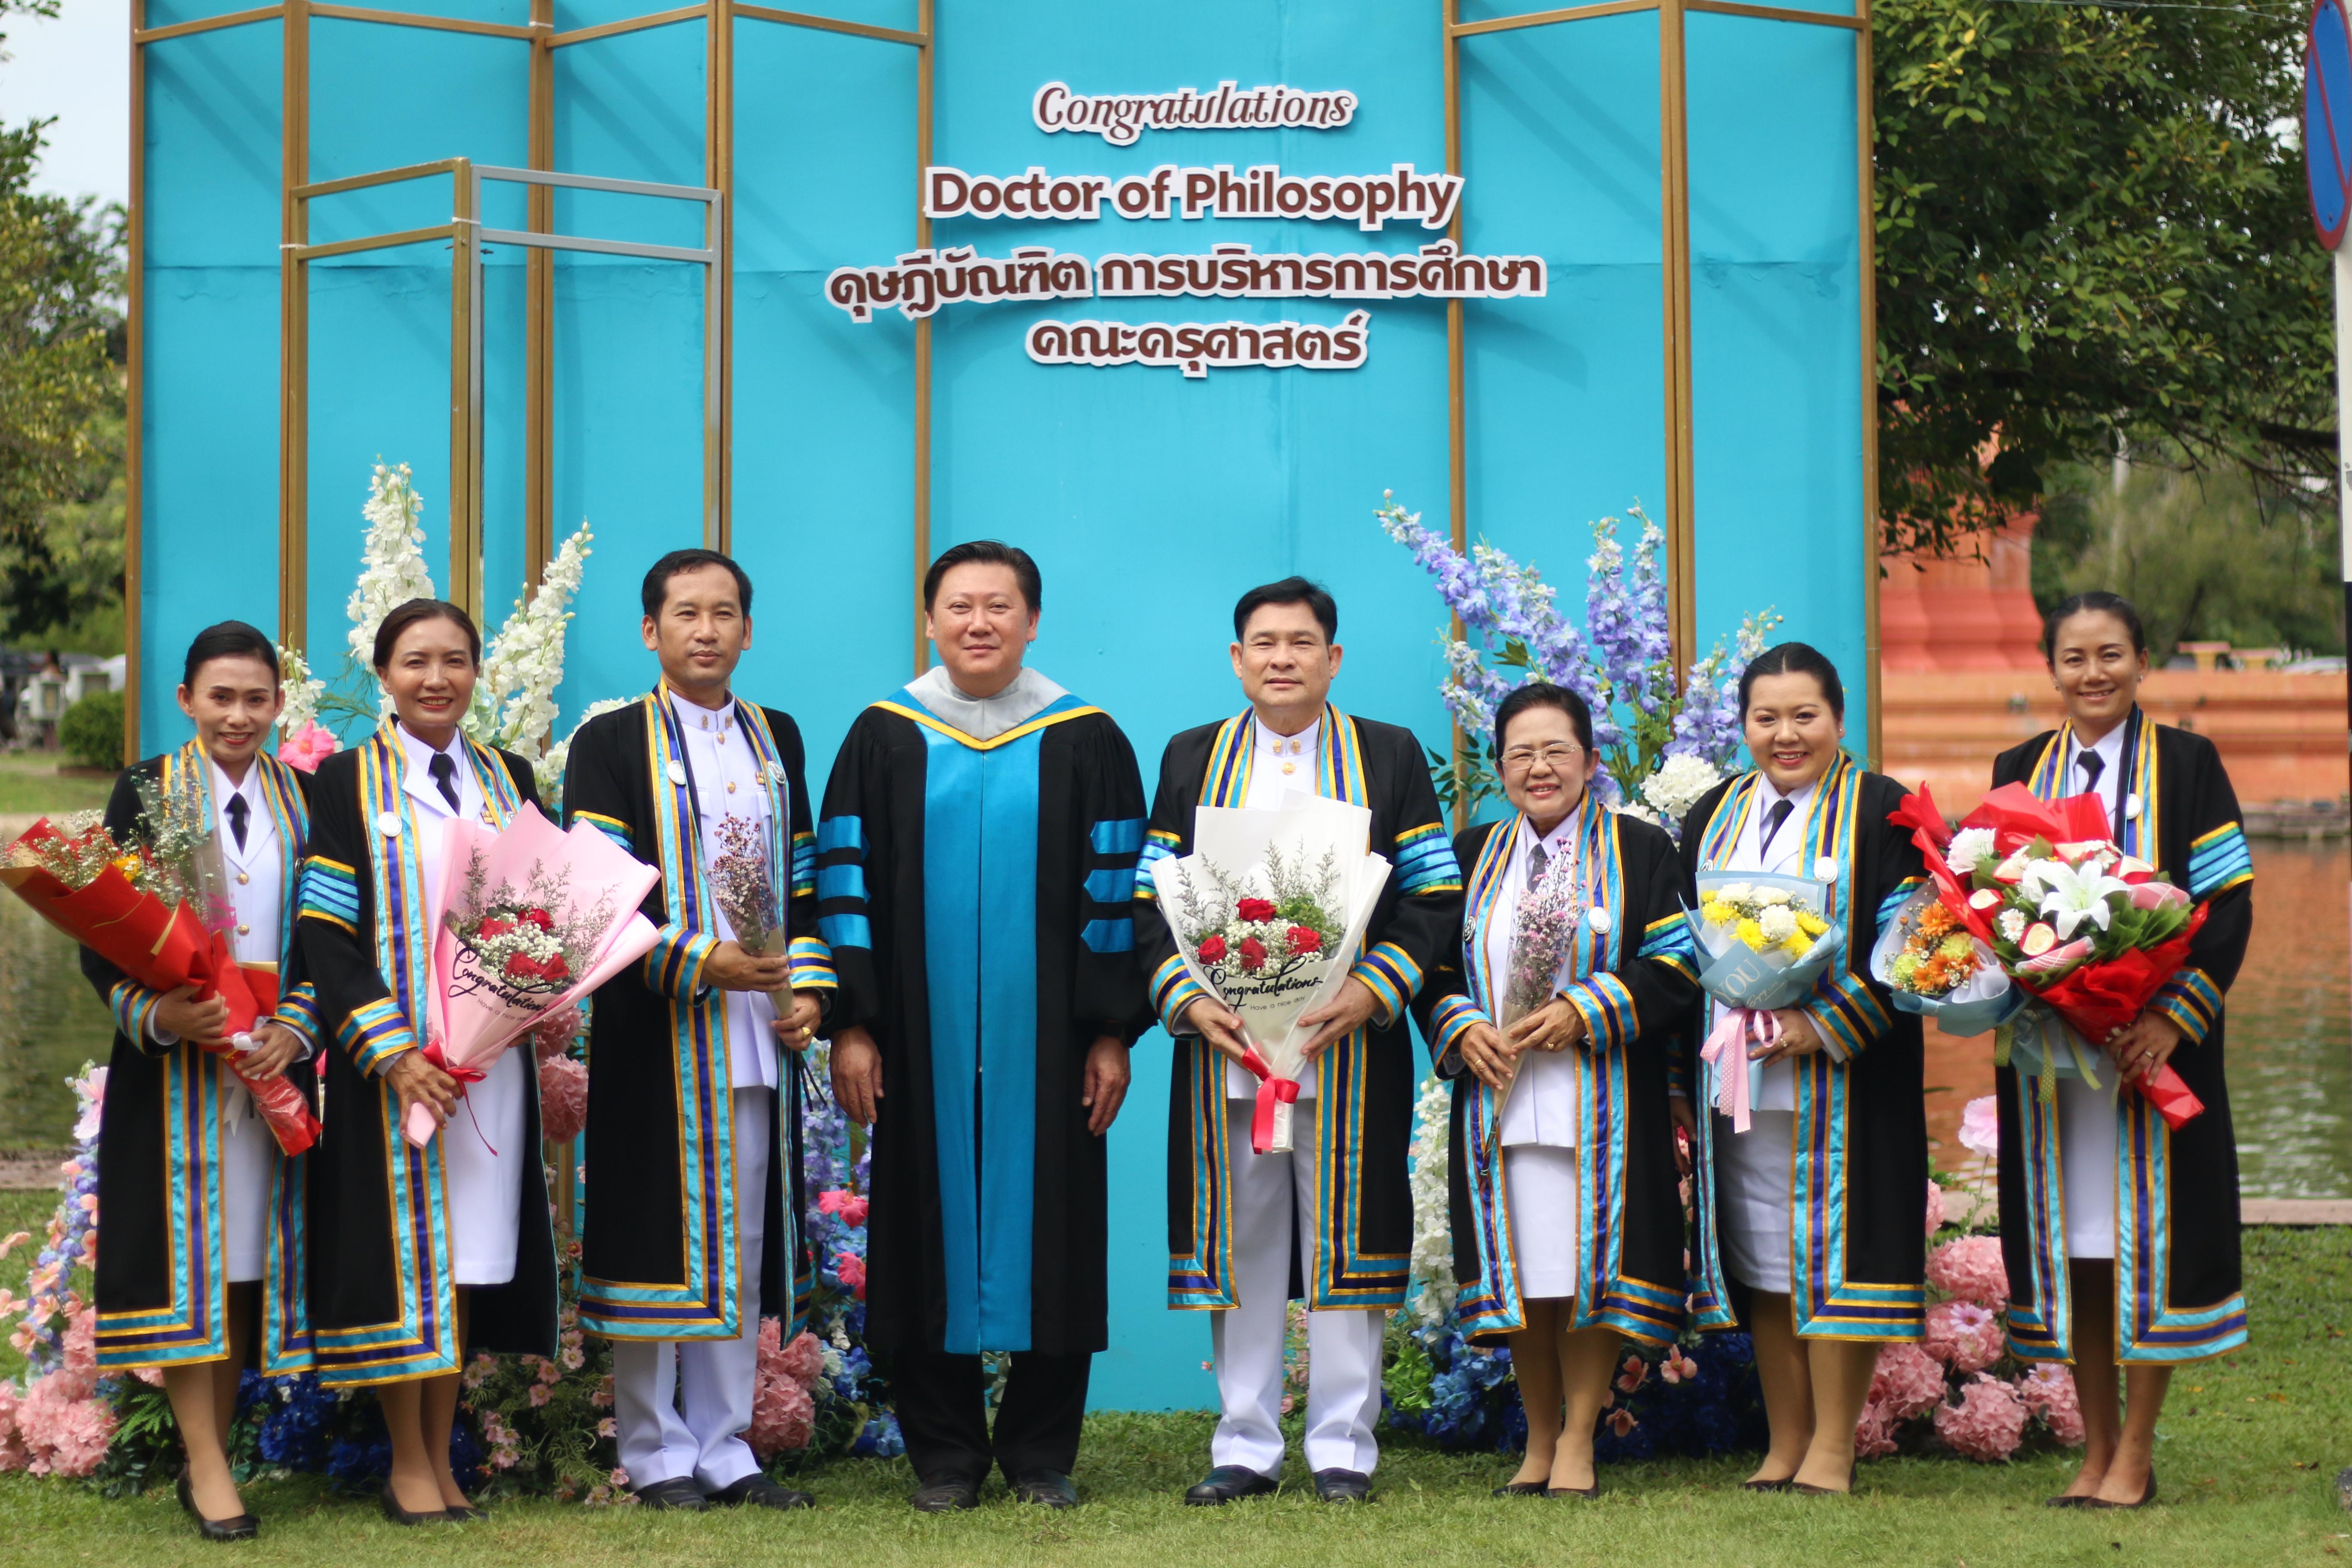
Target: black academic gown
2180, 1292
976, 897
161, 1261
382, 1299
1362, 1245
1859, 1180
1633, 977
659, 1251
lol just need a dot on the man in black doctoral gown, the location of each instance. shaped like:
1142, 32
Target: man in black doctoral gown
975, 862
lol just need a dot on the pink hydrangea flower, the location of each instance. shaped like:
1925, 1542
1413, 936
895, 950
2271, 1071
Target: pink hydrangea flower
803, 1360
1935, 1208
64, 1430
1964, 1335
562, 1098
307, 747
783, 1414
1981, 1127
1908, 1383
1987, 1424
2049, 1392
1969, 1269
1874, 1433
553, 1034
12, 1448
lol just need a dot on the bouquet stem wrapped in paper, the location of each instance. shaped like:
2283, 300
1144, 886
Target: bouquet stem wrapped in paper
1269, 912
158, 918
529, 919
1762, 943
743, 886
2086, 931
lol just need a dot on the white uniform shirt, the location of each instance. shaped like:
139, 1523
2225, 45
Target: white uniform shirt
1277, 763
1542, 1104
1773, 1087
725, 772
2110, 787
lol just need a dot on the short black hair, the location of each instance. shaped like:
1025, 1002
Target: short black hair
2098, 602
404, 616
656, 588
1289, 591
1543, 694
1794, 658
986, 552
230, 639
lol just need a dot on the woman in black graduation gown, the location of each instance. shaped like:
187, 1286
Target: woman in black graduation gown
1811, 1224
1568, 1227
2152, 1281
415, 1253
202, 1212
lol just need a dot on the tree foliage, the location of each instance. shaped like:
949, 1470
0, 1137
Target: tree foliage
2091, 229
61, 397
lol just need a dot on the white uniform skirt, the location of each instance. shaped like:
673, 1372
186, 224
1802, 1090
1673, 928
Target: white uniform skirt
1539, 1190
2086, 1165
249, 1151
1753, 1169
482, 1157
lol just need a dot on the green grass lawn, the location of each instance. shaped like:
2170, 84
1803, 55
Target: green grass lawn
29, 784
2247, 1457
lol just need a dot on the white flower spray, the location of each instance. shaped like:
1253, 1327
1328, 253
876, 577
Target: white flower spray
302, 693
391, 564
1430, 1287
514, 700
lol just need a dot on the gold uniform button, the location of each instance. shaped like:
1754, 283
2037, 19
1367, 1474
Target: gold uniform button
245, 931
731, 786
242, 878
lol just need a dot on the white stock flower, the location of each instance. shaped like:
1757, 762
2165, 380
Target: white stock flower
1970, 849
392, 563
1431, 1285
1678, 783
302, 692
514, 700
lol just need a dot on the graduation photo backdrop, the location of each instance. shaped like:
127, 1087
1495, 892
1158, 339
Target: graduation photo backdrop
1645, 216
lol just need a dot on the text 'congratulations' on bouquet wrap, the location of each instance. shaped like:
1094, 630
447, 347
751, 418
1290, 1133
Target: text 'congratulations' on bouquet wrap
1269, 912
157, 910
529, 919
1762, 942
2086, 933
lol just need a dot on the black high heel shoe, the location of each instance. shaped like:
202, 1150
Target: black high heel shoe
242, 1526
399, 1515
2147, 1496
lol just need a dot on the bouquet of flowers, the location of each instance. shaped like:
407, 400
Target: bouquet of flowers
539, 919
1935, 966
157, 910
1762, 942
743, 886
1543, 932
2086, 931
1268, 911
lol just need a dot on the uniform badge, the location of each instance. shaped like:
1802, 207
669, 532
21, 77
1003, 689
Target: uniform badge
1825, 869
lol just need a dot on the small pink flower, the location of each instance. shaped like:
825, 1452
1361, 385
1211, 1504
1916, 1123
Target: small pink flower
538, 1393
620, 1476
1987, 1424
1634, 1372
307, 747
852, 1269
1963, 1334
602, 1398
14, 1241
607, 1428
1980, 1126
1621, 1421
1676, 1366
1935, 1208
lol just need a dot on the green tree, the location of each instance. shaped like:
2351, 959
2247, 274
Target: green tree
61, 393
2091, 231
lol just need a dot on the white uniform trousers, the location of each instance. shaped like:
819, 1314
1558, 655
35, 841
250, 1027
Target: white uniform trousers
683, 1405
1343, 1346
1753, 1217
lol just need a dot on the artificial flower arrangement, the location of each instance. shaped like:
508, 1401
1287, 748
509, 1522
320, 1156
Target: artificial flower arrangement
157, 910
1762, 943
1663, 740
2084, 933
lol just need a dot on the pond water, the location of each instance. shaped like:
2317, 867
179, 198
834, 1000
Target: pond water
2290, 1033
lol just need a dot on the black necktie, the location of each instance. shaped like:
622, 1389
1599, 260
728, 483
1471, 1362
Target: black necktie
1537, 864
1775, 815
2093, 765
444, 769
237, 812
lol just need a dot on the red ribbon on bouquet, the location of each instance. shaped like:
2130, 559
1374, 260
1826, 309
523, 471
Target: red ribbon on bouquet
464, 1075
1271, 1091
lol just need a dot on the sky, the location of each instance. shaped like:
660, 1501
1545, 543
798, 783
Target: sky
77, 69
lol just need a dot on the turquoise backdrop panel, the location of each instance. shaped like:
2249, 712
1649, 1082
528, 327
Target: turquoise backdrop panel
1151, 499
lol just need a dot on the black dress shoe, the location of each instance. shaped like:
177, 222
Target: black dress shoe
946, 1495
1046, 1488
2065, 1499
758, 1491
399, 1515
2147, 1496
239, 1527
1587, 1493
1783, 1484
467, 1513
1343, 1485
1521, 1488
1227, 1483
677, 1493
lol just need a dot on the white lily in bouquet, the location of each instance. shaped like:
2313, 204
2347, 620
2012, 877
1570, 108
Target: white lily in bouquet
538, 919
1269, 912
